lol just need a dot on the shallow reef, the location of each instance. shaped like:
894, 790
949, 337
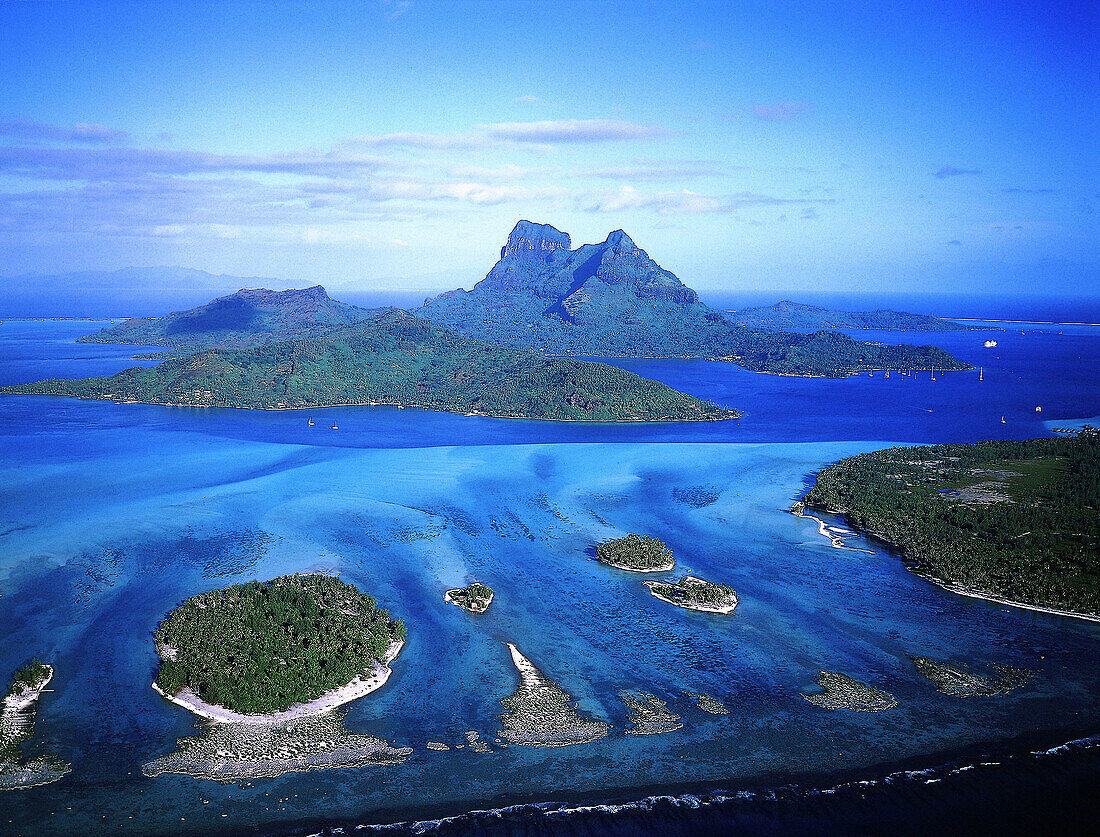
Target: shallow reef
649, 715
958, 680
234, 752
541, 714
842, 692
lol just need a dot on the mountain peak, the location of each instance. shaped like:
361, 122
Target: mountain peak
263, 295
620, 240
531, 239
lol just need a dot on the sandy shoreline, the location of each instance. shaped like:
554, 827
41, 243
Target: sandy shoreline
702, 608
664, 568
950, 587
354, 690
22, 700
989, 597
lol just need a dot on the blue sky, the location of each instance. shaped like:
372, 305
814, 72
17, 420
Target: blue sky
394, 144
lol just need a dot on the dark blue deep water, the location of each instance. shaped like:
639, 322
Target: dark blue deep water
111, 514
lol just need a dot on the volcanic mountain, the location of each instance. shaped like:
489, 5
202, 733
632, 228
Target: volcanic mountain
612, 300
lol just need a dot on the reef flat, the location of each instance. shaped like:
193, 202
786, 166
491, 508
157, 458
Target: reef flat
649, 715
541, 714
842, 692
235, 752
17, 712
709, 704
960, 681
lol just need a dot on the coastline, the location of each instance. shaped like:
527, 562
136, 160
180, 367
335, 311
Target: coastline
447, 597
734, 414
702, 608
23, 700
662, 569
357, 688
951, 587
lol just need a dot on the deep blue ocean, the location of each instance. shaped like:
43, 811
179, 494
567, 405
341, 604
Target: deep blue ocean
111, 514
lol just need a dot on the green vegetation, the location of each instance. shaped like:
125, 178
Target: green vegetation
828, 354
640, 553
474, 598
787, 314
395, 359
246, 318
29, 676
1012, 519
695, 594
261, 647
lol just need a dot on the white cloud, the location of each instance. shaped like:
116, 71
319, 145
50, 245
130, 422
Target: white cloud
574, 130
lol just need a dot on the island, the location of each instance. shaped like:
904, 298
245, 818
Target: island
475, 597
17, 713
277, 650
1015, 522
612, 300
636, 553
695, 594
394, 359
788, 315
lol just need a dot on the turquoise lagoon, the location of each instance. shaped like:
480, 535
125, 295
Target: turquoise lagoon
112, 514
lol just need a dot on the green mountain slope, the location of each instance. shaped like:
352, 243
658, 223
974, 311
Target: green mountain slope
612, 300
395, 359
248, 317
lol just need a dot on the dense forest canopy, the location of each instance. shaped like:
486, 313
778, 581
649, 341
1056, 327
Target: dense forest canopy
635, 552
28, 676
1015, 519
261, 647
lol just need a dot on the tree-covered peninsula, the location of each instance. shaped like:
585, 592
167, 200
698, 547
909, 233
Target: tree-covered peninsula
612, 300
397, 359
1012, 520
637, 553
261, 647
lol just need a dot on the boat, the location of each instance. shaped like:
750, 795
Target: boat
887, 375
310, 422
933, 373
1002, 419
334, 427
981, 373
989, 344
